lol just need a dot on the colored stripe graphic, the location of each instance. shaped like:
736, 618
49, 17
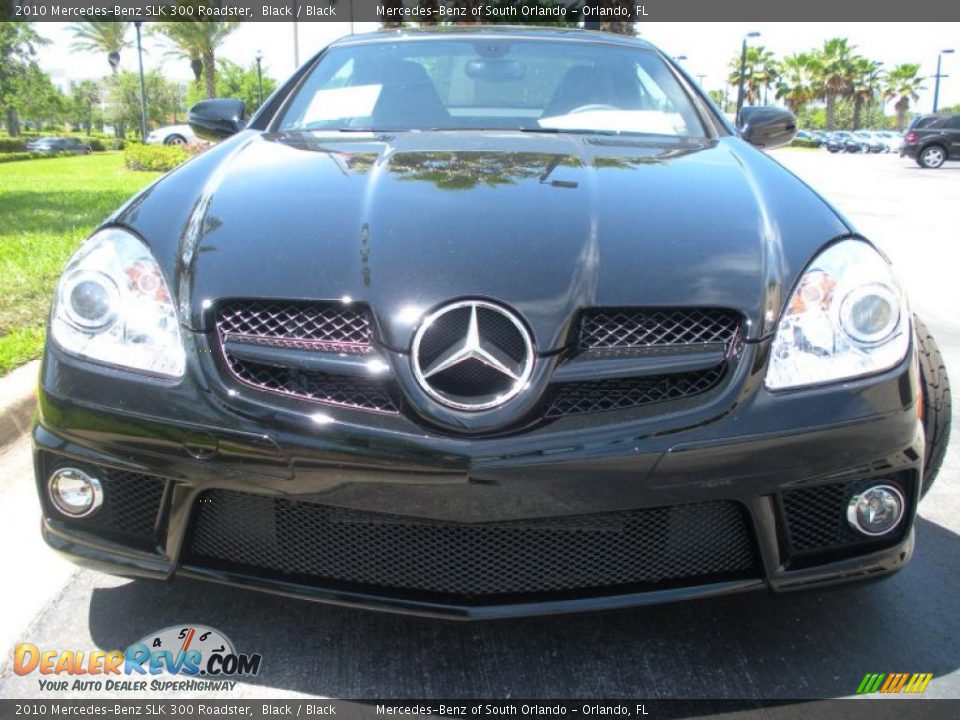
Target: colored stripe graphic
870, 683
918, 683
894, 683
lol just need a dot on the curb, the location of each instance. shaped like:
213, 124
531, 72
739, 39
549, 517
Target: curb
18, 398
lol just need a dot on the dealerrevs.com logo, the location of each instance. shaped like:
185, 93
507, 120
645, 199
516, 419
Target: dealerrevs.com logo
202, 658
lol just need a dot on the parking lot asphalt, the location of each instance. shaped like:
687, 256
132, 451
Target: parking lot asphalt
816, 644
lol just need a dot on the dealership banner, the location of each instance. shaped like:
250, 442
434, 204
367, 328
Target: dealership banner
477, 709
479, 11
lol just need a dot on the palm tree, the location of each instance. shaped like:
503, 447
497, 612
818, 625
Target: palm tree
760, 71
186, 39
864, 83
833, 74
84, 97
101, 36
795, 81
903, 85
198, 41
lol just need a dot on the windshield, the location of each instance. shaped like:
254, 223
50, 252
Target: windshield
506, 84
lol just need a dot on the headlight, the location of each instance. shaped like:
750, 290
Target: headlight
113, 305
846, 318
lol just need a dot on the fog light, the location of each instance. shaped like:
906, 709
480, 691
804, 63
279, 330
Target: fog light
876, 510
75, 493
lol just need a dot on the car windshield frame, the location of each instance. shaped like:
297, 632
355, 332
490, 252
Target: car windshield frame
691, 109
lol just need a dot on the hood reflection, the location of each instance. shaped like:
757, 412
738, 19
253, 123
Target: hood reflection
470, 169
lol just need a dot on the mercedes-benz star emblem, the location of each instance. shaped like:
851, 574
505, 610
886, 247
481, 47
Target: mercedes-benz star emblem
472, 355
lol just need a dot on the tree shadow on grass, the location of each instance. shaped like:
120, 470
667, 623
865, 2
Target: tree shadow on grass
56, 212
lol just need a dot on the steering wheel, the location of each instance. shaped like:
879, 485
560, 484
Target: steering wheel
592, 106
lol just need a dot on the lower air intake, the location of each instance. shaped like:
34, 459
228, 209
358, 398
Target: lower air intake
131, 503
316, 544
815, 517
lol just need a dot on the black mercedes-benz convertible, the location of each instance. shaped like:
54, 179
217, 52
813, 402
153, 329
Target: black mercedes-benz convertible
486, 322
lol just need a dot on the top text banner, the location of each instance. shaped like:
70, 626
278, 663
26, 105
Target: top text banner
479, 11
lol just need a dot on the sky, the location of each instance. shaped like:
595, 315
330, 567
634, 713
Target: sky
707, 46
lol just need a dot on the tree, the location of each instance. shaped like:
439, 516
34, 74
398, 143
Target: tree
37, 99
760, 71
833, 71
795, 82
864, 82
84, 99
719, 97
199, 40
106, 36
903, 85
123, 93
187, 44
18, 43
242, 82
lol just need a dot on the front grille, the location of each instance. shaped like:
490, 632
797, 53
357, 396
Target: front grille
322, 326
580, 398
318, 327
329, 388
316, 544
605, 328
815, 517
131, 503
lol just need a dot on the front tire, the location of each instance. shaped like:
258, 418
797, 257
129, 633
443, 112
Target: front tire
935, 414
175, 140
932, 157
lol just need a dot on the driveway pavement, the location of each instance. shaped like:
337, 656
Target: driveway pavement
814, 644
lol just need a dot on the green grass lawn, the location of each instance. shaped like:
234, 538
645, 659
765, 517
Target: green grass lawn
47, 208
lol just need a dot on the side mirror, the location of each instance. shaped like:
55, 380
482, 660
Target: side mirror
767, 127
217, 119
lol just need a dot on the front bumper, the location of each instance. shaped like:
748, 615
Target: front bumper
763, 454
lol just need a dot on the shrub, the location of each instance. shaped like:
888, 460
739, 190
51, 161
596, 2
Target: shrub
13, 145
17, 156
116, 144
154, 157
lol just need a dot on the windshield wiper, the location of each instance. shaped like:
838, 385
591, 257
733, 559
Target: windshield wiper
569, 131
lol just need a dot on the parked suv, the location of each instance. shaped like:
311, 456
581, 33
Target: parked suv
933, 139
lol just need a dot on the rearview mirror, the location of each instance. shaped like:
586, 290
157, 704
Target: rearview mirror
495, 69
217, 119
767, 127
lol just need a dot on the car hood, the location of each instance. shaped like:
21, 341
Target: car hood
546, 224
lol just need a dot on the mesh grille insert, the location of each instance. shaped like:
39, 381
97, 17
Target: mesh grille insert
329, 388
292, 324
649, 328
579, 398
312, 543
131, 503
816, 516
